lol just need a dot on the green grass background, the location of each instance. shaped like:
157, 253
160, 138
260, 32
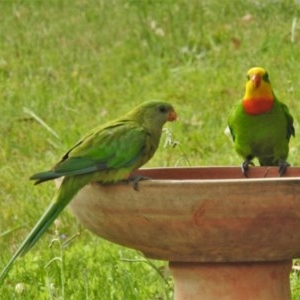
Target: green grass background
75, 64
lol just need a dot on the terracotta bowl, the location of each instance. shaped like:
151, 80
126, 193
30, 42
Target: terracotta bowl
199, 214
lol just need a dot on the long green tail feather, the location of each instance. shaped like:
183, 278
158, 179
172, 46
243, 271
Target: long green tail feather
66, 192
39, 229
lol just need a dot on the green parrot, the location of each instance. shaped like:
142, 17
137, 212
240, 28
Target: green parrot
106, 154
261, 126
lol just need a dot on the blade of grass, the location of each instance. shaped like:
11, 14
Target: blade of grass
40, 121
10, 230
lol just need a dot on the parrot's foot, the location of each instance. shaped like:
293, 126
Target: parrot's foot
282, 167
245, 166
135, 179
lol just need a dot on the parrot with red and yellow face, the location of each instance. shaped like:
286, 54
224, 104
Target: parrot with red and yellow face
260, 125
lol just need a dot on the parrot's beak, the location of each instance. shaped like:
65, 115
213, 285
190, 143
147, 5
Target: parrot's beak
172, 116
256, 80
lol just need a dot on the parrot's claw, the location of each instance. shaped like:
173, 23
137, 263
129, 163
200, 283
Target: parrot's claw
135, 179
282, 167
245, 166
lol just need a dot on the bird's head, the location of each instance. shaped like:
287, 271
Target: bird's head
154, 113
257, 78
258, 96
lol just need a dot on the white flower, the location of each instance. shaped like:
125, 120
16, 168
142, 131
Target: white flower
20, 288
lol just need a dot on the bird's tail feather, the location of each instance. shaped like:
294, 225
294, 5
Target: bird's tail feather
45, 221
67, 191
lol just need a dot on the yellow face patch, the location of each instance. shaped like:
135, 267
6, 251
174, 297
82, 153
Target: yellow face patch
258, 96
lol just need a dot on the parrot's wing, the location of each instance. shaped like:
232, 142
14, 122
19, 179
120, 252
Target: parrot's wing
229, 129
119, 145
290, 121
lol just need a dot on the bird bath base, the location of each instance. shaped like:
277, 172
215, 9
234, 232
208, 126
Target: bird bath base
226, 237
231, 281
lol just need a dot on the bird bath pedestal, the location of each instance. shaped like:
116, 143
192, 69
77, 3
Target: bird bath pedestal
225, 236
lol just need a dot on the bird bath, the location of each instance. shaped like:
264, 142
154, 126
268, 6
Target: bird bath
225, 236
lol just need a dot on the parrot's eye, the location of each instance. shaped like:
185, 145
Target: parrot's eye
163, 109
248, 77
266, 77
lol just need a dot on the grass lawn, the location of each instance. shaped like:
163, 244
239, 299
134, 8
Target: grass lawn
67, 66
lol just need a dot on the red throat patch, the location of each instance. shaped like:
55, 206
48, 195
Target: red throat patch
257, 106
